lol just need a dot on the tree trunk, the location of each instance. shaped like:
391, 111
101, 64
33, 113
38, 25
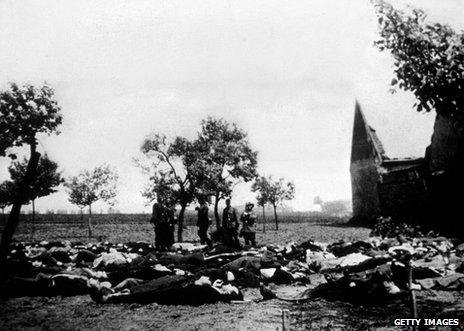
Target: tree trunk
180, 226
275, 217
90, 222
33, 220
13, 218
264, 221
216, 211
33, 210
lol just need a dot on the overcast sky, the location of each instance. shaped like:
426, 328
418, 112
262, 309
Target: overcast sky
287, 72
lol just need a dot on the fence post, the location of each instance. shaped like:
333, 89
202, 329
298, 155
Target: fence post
285, 320
412, 293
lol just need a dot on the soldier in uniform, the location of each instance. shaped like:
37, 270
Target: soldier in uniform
168, 231
248, 219
163, 220
230, 225
203, 222
156, 220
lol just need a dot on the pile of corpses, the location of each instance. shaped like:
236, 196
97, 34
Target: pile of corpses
369, 271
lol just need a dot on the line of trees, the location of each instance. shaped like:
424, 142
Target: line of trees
180, 169
429, 62
25, 113
84, 189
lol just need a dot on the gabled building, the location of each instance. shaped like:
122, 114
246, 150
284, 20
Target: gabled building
425, 190
382, 186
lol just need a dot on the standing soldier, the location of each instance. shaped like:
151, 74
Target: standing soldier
157, 219
248, 220
230, 224
203, 221
168, 232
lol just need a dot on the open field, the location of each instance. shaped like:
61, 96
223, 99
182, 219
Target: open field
80, 312
136, 227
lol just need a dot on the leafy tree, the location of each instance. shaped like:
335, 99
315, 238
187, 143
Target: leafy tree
6, 195
274, 192
89, 187
162, 187
429, 59
174, 165
25, 112
228, 159
46, 180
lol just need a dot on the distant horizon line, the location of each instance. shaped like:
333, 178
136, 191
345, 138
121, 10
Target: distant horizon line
74, 212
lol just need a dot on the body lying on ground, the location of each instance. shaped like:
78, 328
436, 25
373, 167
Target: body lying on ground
363, 271
169, 290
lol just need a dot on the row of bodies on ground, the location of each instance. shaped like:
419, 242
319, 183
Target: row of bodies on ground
368, 271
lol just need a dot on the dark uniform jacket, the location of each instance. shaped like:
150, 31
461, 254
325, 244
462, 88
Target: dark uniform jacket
158, 214
248, 219
203, 219
229, 218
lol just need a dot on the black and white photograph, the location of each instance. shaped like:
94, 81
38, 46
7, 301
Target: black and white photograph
232, 165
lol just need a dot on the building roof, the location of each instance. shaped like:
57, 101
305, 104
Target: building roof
377, 143
365, 143
402, 164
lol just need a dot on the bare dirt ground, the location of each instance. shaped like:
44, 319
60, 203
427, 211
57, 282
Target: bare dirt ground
80, 312
124, 228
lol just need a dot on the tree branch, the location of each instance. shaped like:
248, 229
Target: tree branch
178, 178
